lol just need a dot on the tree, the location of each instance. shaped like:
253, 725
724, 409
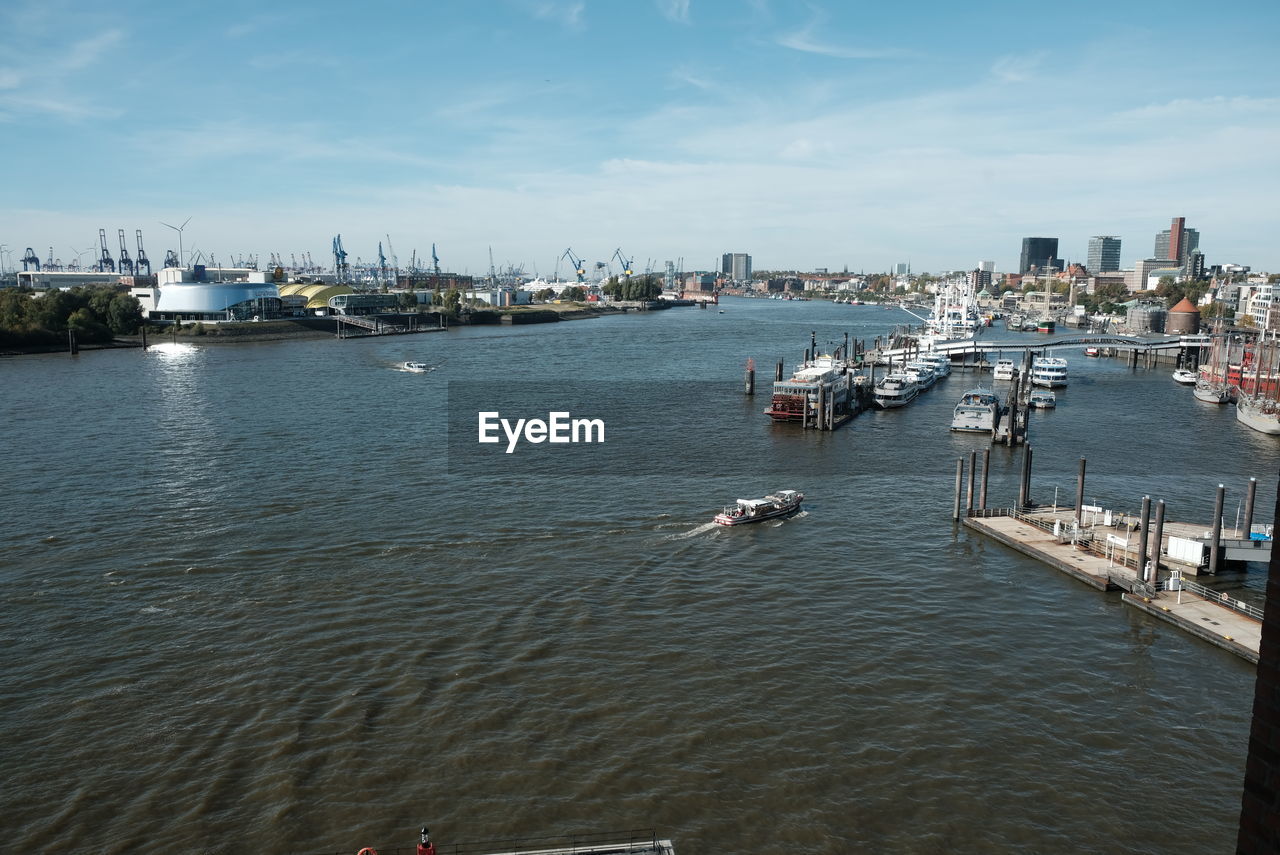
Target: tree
575, 293
452, 300
546, 294
124, 314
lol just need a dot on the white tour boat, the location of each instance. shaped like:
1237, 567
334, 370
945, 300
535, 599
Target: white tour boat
417, 367
1186, 376
1003, 369
1261, 414
1042, 399
1049, 371
941, 364
978, 410
923, 372
896, 390
778, 504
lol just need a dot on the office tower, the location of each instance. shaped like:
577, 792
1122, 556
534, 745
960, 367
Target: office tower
987, 266
1104, 254
1188, 240
1040, 253
736, 265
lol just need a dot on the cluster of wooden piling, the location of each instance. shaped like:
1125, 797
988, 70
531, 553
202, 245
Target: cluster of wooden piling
830, 412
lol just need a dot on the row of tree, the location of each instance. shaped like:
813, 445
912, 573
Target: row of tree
96, 315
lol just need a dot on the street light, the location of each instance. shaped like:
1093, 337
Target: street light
181, 260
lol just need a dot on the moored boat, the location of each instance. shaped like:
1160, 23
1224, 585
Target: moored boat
775, 505
1049, 371
1003, 369
923, 372
1042, 399
1261, 414
1185, 376
1211, 391
1091, 351
978, 410
895, 390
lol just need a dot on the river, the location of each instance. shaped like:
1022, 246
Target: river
270, 597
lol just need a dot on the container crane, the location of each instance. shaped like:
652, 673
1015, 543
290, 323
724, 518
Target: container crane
50, 265
382, 265
126, 263
142, 260
31, 258
105, 261
579, 265
435, 262
395, 262
339, 259
624, 261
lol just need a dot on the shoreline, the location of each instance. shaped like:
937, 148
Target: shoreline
315, 328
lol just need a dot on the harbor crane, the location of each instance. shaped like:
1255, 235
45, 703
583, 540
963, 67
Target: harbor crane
31, 259
142, 260
623, 260
50, 264
339, 259
395, 262
105, 262
579, 265
126, 263
382, 265
171, 258
435, 262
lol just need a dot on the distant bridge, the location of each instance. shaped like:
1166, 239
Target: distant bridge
983, 346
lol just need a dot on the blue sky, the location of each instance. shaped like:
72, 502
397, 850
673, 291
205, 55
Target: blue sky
809, 134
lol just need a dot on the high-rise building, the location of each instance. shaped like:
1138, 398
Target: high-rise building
1040, 253
1104, 254
901, 269
1187, 241
987, 266
736, 265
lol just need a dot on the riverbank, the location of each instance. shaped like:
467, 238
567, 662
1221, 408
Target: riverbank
306, 328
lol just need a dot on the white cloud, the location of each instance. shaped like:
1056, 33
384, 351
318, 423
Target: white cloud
805, 40
570, 13
675, 10
1015, 69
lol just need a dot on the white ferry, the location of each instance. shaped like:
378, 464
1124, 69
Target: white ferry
1003, 369
1049, 371
744, 511
941, 364
896, 390
978, 410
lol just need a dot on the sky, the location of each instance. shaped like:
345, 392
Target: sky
808, 134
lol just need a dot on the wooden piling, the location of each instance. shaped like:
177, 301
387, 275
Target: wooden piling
1157, 539
822, 407
1024, 491
973, 461
955, 514
1079, 492
72, 347
1144, 522
986, 470
777, 374
1248, 508
144, 336
1215, 548
751, 376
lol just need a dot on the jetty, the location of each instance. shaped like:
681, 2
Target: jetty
642, 842
1151, 565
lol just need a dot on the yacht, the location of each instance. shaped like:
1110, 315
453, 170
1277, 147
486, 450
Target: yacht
896, 390
1049, 371
1186, 376
978, 410
778, 504
1042, 399
941, 364
1261, 414
923, 372
416, 367
1003, 369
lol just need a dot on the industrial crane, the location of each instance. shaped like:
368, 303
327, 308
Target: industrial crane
50, 265
105, 261
142, 260
622, 259
126, 263
382, 265
31, 258
171, 258
579, 265
339, 259
435, 262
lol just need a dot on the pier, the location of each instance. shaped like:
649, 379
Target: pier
643, 842
1113, 551
976, 349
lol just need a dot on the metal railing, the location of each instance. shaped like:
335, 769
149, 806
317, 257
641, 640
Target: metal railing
1221, 598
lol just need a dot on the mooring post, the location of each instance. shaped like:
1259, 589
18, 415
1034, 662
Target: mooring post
751, 376
144, 336
71, 342
1248, 508
955, 514
1079, 492
1157, 540
986, 469
1216, 546
1024, 494
777, 374
973, 464
822, 407
806, 356
1142, 537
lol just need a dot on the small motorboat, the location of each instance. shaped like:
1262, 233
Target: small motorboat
744, 511
417, 367
1091, 351
1042, 399
1186, 376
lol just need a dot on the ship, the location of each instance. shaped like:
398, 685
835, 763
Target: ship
978, 411
822, 393
770, 507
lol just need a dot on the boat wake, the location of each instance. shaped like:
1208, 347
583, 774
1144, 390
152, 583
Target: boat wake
702, 529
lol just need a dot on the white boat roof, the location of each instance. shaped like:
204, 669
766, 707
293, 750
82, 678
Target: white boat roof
752, 503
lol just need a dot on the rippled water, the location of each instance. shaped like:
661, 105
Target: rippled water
248, 604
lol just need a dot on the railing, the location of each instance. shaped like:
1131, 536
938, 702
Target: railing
1221, 598
638, 842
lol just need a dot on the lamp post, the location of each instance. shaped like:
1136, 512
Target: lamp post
181, 259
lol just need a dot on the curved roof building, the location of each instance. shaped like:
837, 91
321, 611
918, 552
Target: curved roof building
317, 293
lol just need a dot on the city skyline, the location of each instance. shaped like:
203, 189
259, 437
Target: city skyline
809, 135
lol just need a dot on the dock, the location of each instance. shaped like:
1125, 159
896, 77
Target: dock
641, 842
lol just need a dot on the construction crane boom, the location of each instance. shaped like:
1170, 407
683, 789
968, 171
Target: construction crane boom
579, 265
622, 259
126, 263
30, 258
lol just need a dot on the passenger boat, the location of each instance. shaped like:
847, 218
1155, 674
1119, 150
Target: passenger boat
744, 511
1045, 325
822, 377
1049, 371
1261, 414
1091, 351
1014, 323
1042, 399
978, 410
923, 372
1003, 369
1186, 376
941, 364
417, 367
895, 390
